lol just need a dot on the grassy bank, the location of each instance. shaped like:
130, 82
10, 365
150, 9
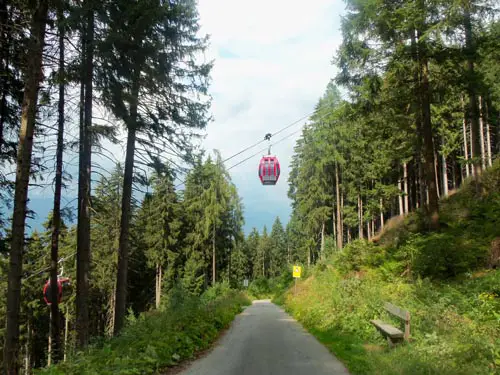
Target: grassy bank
446, 278
160, 339
455, 325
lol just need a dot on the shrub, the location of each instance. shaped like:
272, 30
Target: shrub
159, 339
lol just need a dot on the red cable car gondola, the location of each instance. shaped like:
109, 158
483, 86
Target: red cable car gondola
63, 284
269, 170
269, 167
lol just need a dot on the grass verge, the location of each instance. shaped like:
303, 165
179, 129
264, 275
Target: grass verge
159, 339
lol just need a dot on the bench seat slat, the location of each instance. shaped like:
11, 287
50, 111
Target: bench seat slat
389, 330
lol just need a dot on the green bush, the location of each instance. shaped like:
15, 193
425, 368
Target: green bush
159, 339
359, 254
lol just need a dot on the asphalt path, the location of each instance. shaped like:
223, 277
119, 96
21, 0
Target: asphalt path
264, 340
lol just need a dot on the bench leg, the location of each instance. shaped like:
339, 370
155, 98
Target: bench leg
390, 342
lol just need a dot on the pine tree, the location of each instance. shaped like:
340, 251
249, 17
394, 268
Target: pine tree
144, 55
278, 259
33, 75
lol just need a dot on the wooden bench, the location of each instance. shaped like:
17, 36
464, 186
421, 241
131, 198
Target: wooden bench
394, 335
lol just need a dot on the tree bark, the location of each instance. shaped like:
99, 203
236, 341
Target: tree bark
381, 214
213, 255
49, 342
472, 169
83, 229
56, 214
466, 143
417, 105
481, 133
444, 168
339, 219
400, 199
121, 279
488, 136
27, 358
322, 255
471, 89
405, 180
360, 215
66, 331
4, 68
436, 173
33, 77
158, 285
428, 151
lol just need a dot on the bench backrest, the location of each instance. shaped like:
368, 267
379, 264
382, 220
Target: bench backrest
400, 313
397, 311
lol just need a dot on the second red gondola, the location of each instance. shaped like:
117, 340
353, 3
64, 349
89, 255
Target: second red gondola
63, 286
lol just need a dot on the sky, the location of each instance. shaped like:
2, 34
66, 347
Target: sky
272, 63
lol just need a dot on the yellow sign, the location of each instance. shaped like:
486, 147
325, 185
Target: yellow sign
297, 270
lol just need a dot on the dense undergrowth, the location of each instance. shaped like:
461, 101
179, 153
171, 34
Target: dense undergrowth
158, 339
446, 278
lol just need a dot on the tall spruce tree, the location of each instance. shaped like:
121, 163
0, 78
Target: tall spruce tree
150, 79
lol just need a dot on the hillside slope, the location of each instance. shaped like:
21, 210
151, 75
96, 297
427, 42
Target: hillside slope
447, 279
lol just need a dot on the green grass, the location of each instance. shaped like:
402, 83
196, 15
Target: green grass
160, 339
440, 276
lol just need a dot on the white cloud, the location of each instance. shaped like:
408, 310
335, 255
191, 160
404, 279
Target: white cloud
272, 63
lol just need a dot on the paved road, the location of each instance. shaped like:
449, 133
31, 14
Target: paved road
264, 340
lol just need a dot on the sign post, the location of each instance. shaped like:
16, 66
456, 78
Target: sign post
297, 271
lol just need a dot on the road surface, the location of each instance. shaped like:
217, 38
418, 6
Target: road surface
264, 340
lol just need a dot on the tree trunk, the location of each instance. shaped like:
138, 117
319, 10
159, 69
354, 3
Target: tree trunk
466, 143
436, 173
33, 76
56, 214
334, 221
121, 279
66, 331
83, 229
405, 176
381, 214
428, 147
348, 235
111, 313
368, 230
488, 136
481, 133
471, 90
158, 285
360, 215
417, 106
339, 219
49, 343
454, 176
213, 255
27, 357
322, 255
4, 68
444, 168
400, 199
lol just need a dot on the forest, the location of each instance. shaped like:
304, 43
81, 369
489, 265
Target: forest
412, 115
421, 117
